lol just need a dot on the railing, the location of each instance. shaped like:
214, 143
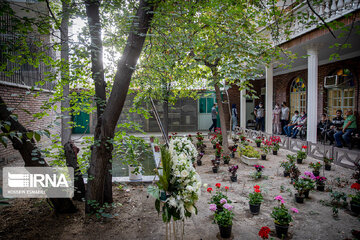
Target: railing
15, 73
305, 20
342, 157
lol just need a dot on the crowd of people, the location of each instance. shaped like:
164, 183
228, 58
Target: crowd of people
338, 130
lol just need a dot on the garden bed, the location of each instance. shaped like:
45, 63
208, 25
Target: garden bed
138, 219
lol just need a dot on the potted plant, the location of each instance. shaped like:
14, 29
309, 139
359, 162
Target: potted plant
294, 172
218, 151
320, 183
255, 200
258, 141
233, 150
213, 141
134, 149
355, 198
223, 219
235, 138
316, 168
258, 168
198, 161
301, 154
219, 198
287, 166
356, 174
327, 163
233, 169
156, 145
152, 139
275, 142
249, 155
266, 148
226, 158
282, 217
216, 164
300, 186
309, 179
264, 232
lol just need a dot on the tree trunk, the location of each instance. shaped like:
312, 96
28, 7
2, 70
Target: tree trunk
225, 143
71, 161
97, 68
30, 154
65, 103
101, 152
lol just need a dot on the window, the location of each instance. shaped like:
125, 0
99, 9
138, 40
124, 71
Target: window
298, 95
341, 98
205, 105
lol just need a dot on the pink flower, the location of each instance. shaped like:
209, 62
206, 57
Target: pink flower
212, 207
223, 200
282, 201
294, 210
228, 206
279, 198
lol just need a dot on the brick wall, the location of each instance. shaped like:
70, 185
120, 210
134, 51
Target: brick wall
16, 97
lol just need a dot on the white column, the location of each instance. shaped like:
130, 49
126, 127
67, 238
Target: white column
269, 100
312, 94
243, 108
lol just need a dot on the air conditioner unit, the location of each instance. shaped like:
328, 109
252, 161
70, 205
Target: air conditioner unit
336, 81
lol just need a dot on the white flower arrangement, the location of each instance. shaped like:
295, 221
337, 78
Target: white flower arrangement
180, 181
185, 177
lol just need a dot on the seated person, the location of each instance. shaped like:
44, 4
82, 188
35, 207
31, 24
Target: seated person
348, 127
287, 128
337, 124
323, 126
299, 125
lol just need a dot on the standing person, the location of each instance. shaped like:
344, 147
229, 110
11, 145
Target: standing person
276, 119
234, 116
259, 112
337, 124
284, 119
214, 114
348, 127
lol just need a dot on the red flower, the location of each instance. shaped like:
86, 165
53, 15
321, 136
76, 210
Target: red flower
257, 190
209, 190
264, 232
226, 188
218, 185
304, 147
355, 186
257, 187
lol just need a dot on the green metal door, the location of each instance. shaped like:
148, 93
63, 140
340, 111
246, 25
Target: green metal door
81, 122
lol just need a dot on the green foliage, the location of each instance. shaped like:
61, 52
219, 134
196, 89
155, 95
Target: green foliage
250, 152
281, 215
255, 198
224, 218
